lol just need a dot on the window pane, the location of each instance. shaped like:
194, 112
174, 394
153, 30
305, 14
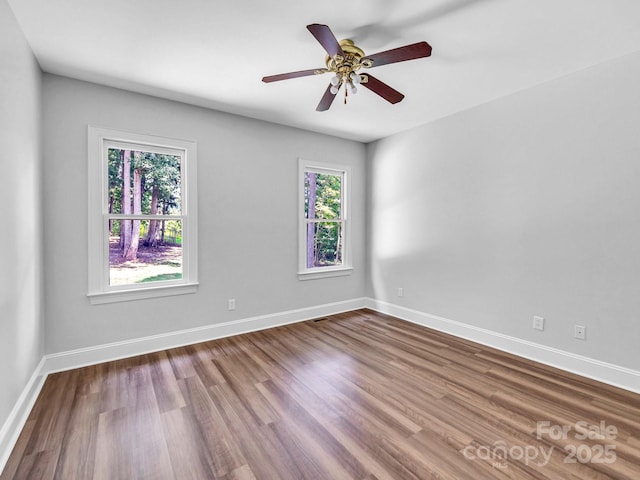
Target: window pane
142, 251
143, 183
324, 244
322, 193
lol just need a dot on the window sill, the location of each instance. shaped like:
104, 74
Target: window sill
333, 272
141, 293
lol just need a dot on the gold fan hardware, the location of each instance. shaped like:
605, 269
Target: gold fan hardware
346, 67
345, 60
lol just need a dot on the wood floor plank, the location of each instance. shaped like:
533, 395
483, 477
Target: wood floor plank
252, 438
40, 465
356, 395
17, 455
184, 446
78, 450
165, 384
148, 445
212, 432
113, 442
242, 473
50, 423
311, 447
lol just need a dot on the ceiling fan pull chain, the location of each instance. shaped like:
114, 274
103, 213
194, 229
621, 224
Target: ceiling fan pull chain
346, 92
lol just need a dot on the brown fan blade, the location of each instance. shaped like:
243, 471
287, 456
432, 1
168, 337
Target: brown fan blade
327, 39
401, 54
285, 76
326, 100
385, 91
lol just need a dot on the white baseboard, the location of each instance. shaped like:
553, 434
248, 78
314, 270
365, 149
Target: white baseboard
615, 375
12, 427
113, 351
102, 353
595, 369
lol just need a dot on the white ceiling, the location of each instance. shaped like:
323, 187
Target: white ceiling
214, 53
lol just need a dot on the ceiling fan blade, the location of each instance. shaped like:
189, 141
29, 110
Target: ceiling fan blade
385, 91
327, 39
286, 76
401, 54
326, 100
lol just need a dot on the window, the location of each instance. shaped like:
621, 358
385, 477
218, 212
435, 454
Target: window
324, 220
142, 216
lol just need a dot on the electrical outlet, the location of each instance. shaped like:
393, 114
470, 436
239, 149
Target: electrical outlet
231, 304
580, 332
538, 323
400, 292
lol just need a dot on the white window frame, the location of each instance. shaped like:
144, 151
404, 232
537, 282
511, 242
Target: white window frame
99, 290
346, 268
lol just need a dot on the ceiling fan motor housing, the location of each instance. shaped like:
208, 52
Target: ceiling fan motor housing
352, 61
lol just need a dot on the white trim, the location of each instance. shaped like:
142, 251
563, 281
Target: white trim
615, 375
113, 351
58, 362
325, 272
16, 420
99, 291
608, 373
141, 293
345, 268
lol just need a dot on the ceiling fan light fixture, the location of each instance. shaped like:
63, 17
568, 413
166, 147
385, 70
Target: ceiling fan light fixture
344, 60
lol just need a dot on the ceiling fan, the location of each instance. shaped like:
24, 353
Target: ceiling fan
345, 60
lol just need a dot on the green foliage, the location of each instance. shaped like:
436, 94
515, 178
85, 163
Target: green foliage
323, 201
161, 277
172, 229
160, 177
162, 171
173, 233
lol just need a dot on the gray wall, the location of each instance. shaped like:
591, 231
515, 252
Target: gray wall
21, 324
248, 193
528, 205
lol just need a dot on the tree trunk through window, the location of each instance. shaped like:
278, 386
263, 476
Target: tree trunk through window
311, 214
125, 225
152, 234
132, 252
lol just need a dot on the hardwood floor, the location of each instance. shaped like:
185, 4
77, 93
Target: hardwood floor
357, 395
